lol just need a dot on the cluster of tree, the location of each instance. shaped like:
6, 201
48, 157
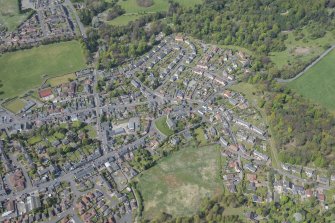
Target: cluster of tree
114, 12
304, 133
211, 210
1, 85
117, 44
142, 160
145, 3
287, 209
93, 8
256, 25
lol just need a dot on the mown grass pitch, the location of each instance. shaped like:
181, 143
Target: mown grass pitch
24, 70
15, 105
178, 183
317, 84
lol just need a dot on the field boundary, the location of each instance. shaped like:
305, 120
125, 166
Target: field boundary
308, 67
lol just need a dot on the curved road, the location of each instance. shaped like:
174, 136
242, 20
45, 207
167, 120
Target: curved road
306, 68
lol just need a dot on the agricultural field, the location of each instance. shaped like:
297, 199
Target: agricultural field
24, 70
9, 14
134, 11
15, 105
301, 50
317, 84
178, 183
163, 127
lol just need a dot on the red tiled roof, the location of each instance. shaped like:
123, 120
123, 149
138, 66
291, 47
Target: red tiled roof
45, 92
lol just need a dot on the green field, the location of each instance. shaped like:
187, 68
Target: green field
15, 105
200, 136
163, 127
124, 19
302, 50
318, 82
55, 81
23, 70
134, 11
177, 183
9, 14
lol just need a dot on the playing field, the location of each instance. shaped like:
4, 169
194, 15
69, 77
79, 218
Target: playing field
9, 14
318, 83
24, 70
177, 183
15, 105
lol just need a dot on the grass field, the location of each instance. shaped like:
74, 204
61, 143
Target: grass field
15, 105
23, 70
9, 14
163, 127
301, 50
55, 81
177, 183
124, 19
200, 136
134, 11
318, 82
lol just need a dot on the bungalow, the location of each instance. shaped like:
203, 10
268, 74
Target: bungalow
135, 84
296, 170
220, 81
243, 123
179, 38
285, 167
260, 155
250, 167
323, 180
309, 193
202, 66
198, 71
309, 172
223, 142
258, 131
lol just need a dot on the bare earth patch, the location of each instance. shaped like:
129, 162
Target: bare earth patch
171, 181
300, 51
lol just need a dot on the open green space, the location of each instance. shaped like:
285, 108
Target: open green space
131, 6
15, 105
178, 183
318, 82
134, 11
301, 49
163, 127
23, 70
200, 134
55, 81
10, 15
124, 19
